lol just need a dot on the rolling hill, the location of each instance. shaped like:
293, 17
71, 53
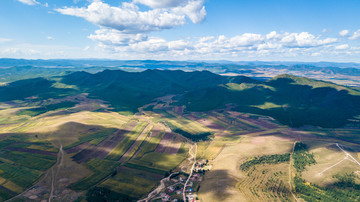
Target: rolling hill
294, 101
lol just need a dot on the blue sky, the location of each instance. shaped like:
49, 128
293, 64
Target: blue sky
270, 30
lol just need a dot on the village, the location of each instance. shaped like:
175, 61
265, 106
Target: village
175, 186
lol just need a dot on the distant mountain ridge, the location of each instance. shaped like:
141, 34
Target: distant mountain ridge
341, 73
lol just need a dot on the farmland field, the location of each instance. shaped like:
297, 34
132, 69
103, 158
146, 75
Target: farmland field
132, 182
101, 168
103, 139
126, 143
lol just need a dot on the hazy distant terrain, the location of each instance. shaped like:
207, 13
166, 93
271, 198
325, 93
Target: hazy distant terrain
340, 73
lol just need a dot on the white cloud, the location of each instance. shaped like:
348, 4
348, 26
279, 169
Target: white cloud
128, 18
283, 45
344, 32
194, 10
50, 38
29, 2
342, 47
304, 39
355, 35
115, 37
272, 35
161, 3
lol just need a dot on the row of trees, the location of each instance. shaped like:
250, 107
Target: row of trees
266, 159
302, 157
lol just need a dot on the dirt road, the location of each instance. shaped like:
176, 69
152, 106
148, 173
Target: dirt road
57, 167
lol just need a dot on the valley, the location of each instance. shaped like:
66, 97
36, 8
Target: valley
187, 136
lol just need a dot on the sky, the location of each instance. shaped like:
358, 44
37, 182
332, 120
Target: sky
236, 30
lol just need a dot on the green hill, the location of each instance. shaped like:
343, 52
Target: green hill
292, 100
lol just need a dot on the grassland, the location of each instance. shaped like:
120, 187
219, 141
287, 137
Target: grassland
344, 186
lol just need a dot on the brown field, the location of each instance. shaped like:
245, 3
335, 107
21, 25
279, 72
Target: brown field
174, 145
105, 147
33, 151
78, 148
165, 141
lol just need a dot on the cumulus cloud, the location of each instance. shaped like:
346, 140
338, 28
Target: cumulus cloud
247, 44
304, 39
128, 18
29, 2
344, 32
115, 37
355, 35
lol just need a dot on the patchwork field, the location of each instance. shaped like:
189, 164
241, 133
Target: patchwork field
61, 155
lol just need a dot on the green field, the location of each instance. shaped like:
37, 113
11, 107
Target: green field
132, 182
21, 169
22, 176
37, 146
161, 161
94, 138
150, 145
29, 160
192, 136
101, 168
126, 143
141, 166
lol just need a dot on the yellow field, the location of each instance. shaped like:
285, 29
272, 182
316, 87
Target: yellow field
223, 181
266, 183
12, 187
209, 151
189, 126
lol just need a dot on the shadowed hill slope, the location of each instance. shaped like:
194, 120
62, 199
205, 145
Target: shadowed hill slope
293, 101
